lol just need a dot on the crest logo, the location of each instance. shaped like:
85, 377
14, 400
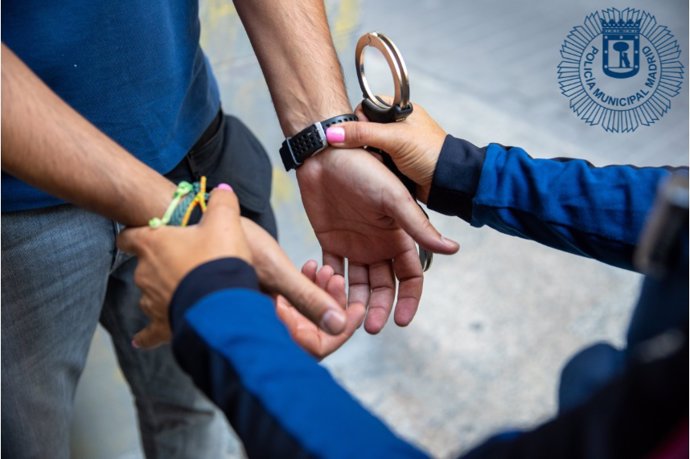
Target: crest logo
621, 41
620, 69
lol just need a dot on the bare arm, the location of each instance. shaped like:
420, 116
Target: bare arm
49, 145
357, 208
293, 44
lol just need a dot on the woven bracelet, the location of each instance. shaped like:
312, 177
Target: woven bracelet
185, 199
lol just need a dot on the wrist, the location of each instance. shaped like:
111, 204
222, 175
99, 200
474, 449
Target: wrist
456, 178
209, 277
304, 115
185, 199
419, 164
160, 192
428, 168
296, 149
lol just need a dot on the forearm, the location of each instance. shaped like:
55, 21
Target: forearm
566, 204
278, 399
294, 46
50, 146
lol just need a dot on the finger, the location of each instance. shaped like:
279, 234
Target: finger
358, 280
382, 295
387, 137
145, 304
315, 304
407, 213
309, 269
335, 287
284, 311
408, 271
278, 274
335, 262
323, 276
223, 208
355, 316
152, 336
130, 240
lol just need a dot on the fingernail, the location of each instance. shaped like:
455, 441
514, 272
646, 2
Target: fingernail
447, 241
335, 134
333, 322
224, 186
135, 345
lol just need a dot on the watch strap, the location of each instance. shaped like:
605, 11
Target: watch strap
309, 141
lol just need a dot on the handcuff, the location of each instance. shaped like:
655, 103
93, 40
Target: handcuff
379, 111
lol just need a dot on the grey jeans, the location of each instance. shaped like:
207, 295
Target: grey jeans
61, 274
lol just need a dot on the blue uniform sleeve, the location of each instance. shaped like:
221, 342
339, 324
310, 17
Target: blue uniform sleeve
279, 400
567, 204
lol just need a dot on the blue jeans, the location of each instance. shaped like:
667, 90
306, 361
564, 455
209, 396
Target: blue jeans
61, 274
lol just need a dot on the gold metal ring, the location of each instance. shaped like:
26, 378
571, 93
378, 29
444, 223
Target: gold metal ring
395, 62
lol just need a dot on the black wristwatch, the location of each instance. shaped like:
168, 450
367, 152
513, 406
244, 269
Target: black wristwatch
309, 141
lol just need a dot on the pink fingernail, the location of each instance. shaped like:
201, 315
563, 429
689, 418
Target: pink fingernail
335, 134
224, 186
135, 345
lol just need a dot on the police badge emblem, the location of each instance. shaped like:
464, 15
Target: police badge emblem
620, 69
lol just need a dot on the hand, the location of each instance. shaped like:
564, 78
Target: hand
160, 252
278, 276
303, 331
360, 210
167, 254
414, 144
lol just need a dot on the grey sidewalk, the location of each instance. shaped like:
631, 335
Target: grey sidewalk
499, 319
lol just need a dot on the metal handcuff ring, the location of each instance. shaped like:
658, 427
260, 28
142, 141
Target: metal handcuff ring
377, 110
390, 52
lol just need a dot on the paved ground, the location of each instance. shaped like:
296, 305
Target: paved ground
497, 320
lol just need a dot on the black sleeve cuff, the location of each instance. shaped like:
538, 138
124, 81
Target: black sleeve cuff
207, 278
456, 178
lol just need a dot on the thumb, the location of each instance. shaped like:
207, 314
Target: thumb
130, 240
358, 134
223, 207
316, 305
278, 275
412, 219
152, 336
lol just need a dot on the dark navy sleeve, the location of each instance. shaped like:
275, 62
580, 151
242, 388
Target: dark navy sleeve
279, 400
567, 204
